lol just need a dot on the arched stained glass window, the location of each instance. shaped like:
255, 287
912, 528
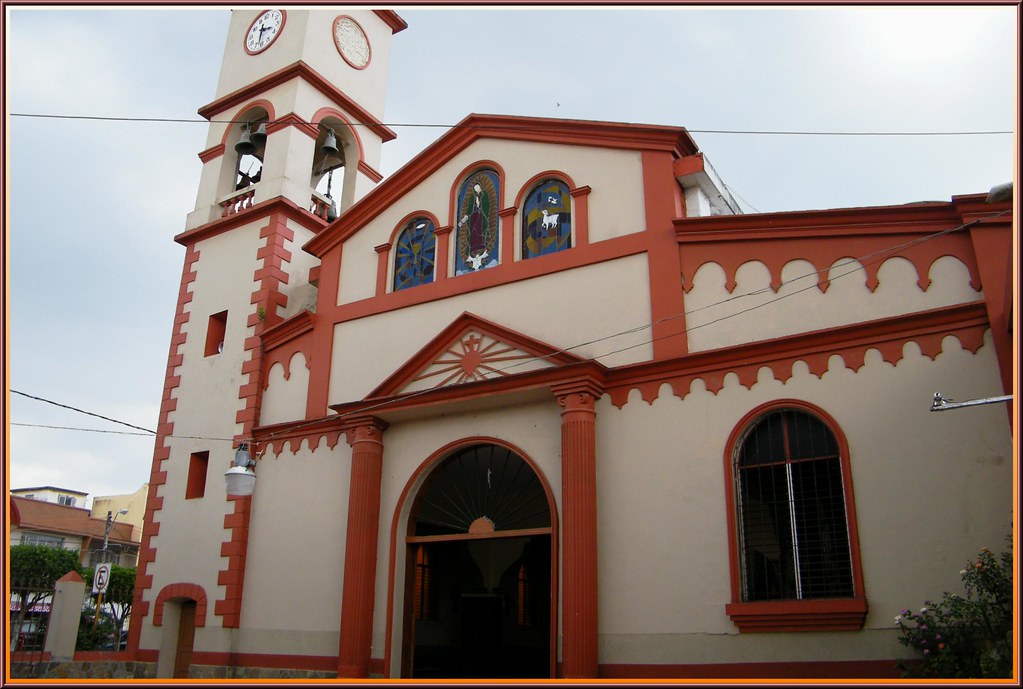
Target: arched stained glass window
477, 245
547, 219
414, 254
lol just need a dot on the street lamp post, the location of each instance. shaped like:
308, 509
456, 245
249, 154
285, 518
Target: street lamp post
106, 533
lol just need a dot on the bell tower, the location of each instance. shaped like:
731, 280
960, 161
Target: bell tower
294, 140
298, 111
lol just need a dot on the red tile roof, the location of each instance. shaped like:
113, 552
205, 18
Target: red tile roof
37, 515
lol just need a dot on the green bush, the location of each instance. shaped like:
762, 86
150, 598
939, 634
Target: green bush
965, 637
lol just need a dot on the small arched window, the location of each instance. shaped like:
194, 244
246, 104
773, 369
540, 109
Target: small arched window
414, 253
793, 525
477, 243
547, 219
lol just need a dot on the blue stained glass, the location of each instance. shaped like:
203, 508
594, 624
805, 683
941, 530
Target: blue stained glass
547, 219
414, 254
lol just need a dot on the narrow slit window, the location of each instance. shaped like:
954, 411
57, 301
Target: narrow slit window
198, 463
215, 332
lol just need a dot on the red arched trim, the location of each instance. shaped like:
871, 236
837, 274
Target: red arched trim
536, 179
181, 592
404, 502
838, 614
232, 128
460, 180
322, 113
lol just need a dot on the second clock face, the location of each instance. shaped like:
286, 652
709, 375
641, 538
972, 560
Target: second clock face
264, 30
351, 42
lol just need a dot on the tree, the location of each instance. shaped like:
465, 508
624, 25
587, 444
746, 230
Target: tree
35, 570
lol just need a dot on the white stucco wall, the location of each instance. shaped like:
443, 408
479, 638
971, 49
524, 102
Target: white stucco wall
545, 308
799, 306
615, 204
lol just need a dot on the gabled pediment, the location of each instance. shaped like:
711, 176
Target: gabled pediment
472, 349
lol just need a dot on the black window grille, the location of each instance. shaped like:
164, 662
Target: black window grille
794, 532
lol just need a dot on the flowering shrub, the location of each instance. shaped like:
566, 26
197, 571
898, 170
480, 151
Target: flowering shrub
965, 637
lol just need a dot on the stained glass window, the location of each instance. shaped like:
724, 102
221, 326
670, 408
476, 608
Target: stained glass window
414, 254
477, 225
547, 219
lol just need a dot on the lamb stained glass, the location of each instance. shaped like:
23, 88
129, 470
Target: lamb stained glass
547, 219
414, 254
477, 236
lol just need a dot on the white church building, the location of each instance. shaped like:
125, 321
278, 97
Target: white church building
545, 404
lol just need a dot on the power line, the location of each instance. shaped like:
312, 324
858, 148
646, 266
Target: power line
862, 260
760, 132
82, 411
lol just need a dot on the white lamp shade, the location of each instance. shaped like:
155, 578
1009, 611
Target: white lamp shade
240, 480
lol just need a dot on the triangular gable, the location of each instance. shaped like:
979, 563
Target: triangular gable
472, 349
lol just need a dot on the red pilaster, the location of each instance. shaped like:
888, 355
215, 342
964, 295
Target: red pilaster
579, 529
365, 435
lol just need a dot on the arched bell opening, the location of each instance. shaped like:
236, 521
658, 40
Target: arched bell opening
479, 575
327, 174
250, 148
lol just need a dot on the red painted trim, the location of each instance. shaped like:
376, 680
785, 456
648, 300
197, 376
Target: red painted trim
103, 656
280, 30
383, 261
508, 234
258, 212
391, 18
992, 245
453, 333
265, 660
30, 657
181, 591
323, 113
840, 614
508, 128
667, 306
299, 70
292, 120
374, 175
405, 499
232, 133
581, 214
235, 549
442, 266
520, 197
365, 436
286, 331
967, 322
369, 46
825, 669
212, 153
161, 450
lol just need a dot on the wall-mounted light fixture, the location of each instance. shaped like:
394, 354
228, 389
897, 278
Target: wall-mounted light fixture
240, 478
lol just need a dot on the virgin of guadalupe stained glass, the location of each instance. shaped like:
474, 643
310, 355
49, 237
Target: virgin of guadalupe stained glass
547, 219
414, 254
477, 237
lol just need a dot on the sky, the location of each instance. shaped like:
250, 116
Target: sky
92, 205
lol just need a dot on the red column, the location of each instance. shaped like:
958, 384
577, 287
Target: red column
579, 529
366, 438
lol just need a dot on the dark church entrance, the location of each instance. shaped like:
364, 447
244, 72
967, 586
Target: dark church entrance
478, 584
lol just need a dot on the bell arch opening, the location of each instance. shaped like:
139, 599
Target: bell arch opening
328, 162
479, 580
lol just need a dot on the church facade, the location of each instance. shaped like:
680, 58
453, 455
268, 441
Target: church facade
544, 404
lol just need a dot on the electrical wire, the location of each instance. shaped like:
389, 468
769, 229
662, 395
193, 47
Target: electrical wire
862, 262
104, 118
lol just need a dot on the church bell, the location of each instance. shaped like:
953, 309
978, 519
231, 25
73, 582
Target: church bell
259, 136
245, 145
329, 146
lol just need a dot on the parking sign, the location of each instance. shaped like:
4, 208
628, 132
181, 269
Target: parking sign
101, 579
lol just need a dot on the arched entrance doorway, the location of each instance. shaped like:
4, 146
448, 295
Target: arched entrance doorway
478, 585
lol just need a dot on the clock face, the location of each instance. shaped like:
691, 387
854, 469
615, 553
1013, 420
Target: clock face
263, 31
351, 42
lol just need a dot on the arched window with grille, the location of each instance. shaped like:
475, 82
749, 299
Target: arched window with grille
414, 254
795, 541
546, 219
794, 520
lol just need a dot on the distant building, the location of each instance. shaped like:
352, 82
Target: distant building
61, 496
135, 503
40, 522
543, 404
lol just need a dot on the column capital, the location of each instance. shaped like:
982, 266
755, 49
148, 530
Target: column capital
365, 429
575, 392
